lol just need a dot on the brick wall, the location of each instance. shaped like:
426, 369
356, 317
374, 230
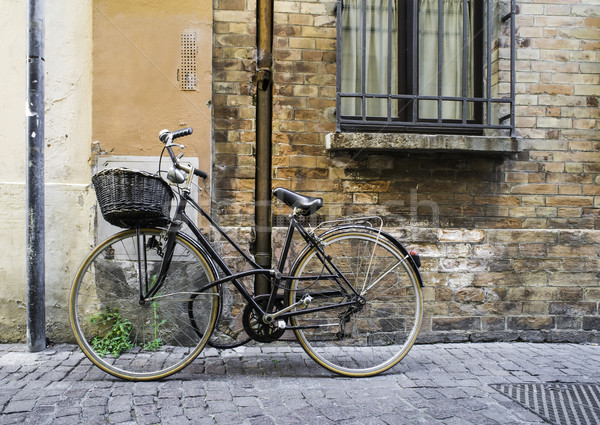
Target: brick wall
510, 243
234, 43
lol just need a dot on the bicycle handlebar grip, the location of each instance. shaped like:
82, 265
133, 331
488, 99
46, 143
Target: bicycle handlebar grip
200, 173
163, 136
181, 133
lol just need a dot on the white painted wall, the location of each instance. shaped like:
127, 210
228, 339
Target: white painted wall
70, 202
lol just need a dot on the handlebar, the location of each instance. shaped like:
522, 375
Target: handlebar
167, 138
166, 135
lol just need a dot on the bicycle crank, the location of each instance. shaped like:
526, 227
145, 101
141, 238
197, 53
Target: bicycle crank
256, 328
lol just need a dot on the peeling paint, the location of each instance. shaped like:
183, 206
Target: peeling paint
28, 111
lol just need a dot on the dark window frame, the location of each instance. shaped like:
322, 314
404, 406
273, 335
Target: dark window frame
482, 99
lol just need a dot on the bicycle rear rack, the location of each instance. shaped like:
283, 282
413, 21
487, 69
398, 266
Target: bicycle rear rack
374, 222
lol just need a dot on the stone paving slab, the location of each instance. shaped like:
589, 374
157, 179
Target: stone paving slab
435, 384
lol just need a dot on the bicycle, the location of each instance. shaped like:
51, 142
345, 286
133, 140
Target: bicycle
146, 301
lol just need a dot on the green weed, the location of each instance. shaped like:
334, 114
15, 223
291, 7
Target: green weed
116, 340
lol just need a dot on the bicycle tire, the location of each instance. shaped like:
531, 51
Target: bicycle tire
358, 340
148, 341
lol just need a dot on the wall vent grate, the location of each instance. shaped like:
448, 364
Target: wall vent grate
188, 72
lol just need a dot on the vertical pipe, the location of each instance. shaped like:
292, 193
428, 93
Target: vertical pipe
513, 71
488, 51
440, 58
264, 118
35, 274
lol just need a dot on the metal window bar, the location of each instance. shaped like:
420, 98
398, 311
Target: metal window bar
363, 55
389, 60
465, 59
415, 60
390, 123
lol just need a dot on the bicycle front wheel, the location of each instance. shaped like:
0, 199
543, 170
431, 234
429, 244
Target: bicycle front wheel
381, 317
142, 337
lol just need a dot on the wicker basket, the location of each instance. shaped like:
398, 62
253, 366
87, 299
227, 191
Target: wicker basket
131, 198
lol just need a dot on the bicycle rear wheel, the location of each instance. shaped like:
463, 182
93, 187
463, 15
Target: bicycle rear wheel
150, 339
379, 326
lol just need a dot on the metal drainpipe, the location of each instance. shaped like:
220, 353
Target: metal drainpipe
264, 117
35, 245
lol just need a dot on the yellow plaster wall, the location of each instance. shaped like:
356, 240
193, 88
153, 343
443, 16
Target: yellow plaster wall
135, 88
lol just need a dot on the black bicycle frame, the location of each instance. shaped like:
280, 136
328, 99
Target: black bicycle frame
275, 275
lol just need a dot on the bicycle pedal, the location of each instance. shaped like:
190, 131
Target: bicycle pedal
281, 324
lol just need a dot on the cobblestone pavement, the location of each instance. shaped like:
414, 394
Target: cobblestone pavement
440, 383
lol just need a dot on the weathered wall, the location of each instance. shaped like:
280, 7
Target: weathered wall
509, 243
69, 203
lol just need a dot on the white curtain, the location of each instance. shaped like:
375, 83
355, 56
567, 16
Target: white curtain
452, 58
378, 61
381, 57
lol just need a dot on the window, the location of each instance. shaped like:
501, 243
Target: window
424, 65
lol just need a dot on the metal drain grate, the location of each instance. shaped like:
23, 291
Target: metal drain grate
557, 403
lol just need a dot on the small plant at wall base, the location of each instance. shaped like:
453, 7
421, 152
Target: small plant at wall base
116, 340
156, 343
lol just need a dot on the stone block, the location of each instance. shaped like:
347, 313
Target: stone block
522, 236
443, 294
535, 293
494, 279
579, 237
469, 295
570, 294
461, 235
530, 322
535, 308
568, 322
533, 336
572, 336
591, 323
573, 279
455, 323
502, 308
573, 308
493, 323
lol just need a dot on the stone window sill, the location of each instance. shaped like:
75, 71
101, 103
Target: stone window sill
491, 145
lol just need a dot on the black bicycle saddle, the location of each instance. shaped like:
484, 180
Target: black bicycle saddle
306, 204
